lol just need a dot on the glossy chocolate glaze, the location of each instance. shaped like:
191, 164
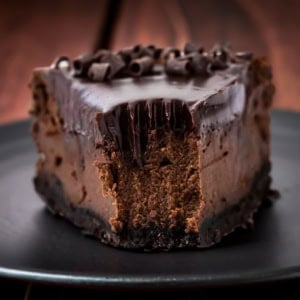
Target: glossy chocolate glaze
121, 113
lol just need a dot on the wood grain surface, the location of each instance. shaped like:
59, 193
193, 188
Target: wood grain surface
32, 33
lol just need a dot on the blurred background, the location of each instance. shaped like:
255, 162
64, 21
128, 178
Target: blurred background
34, 32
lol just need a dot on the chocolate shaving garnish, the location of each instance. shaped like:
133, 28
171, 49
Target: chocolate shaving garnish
152, 47
82, 64
244, 55
130, 53
147, 52
99, 54
175, 66
170, 53
156, 51
140, 60
141, 66
137, 48
220, 57
152, 51
200, 63
192, 48
218, 64
99, 71
221, 52
62, 63
116, 64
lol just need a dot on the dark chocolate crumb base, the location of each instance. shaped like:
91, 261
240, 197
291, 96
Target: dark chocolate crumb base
149, 239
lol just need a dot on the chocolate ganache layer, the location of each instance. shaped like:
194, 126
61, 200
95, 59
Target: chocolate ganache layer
126, 109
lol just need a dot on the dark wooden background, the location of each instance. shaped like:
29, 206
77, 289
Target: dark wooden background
33, 32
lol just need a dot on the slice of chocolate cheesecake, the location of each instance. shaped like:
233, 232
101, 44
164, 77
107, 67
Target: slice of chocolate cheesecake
154, 148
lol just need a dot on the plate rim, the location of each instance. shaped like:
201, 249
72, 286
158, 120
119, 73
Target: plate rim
151, 282
134, 282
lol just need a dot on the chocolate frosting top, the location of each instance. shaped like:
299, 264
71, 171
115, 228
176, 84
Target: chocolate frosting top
105, 96
124, 110
119, 113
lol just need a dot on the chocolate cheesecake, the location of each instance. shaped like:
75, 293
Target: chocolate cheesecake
150, 148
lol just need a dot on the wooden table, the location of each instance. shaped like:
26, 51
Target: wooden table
32, 33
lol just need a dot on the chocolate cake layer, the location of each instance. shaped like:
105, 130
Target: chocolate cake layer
151, 238
147, 162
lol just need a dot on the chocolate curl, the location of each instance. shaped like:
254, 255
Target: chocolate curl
244, 55
99, 54
218, 64
178, 67
221, 51
99, 72
151, 51
147, 52
220, 57
156, 51
82, 64
62, 63
200, 63
141, 66
116, 64
170, 53
130, 53
192, 48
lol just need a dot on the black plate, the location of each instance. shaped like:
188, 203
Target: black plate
35, 245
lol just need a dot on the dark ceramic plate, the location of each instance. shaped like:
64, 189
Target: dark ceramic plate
36, 246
